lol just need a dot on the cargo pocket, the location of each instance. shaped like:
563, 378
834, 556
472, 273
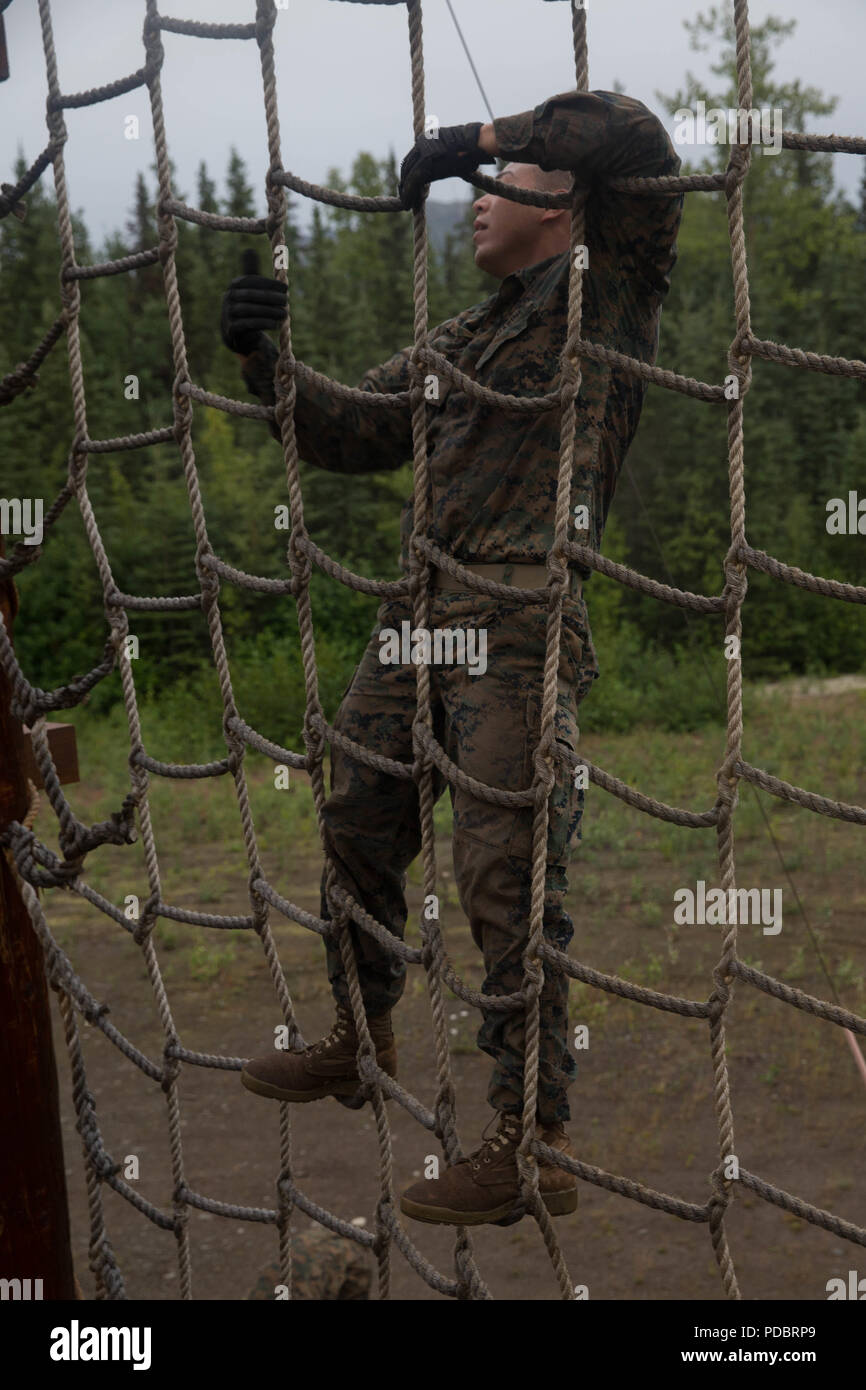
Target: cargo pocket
565, 804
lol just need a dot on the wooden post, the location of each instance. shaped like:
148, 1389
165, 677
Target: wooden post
34, 1212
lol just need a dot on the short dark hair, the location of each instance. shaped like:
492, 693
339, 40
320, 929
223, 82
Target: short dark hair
554, 180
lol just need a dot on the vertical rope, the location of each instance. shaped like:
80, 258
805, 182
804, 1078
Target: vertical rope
470, 1283
277, 199
735, 592
109, 1281
544, 772
116, 616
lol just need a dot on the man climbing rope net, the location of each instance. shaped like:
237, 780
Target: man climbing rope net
494, 476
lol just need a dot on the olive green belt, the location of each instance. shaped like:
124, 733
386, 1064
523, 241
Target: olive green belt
520, 576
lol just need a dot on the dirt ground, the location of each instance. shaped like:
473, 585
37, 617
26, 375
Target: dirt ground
641, 1104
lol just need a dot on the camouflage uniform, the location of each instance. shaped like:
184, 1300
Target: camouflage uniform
325, 1266
493, 489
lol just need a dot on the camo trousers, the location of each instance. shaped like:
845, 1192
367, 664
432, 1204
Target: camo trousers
489, 725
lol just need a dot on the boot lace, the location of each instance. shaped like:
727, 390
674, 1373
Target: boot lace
338, 1034
507, 1134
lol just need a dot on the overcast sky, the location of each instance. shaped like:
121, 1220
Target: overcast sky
343, 80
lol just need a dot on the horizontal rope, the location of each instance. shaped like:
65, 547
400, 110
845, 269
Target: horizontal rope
37, 864
182, 771
145, 604
805, 1210
97, 900
822, 805
204, 919
842, 144
205, 1059
693, 820
612, 984
13, 193
476, 582
290, 910
699, 603
326, 1218
819, 1008
261, 584
624, 1187
153, 1213
199, 29
165, 435
383, 588
385, 400
371, 1071
789, 574
357, 750
23, 377
796, 357
332, 196
226, 403
264, 745
528, 405
660, 376
415, 1259
260, 1215
94, 95
375, 929
119, 267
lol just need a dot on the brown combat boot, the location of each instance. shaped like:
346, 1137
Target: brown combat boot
485, 1186
325, 1068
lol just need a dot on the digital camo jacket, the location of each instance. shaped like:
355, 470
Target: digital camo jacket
494, 472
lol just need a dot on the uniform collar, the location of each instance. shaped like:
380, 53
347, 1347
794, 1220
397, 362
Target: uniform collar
530, 279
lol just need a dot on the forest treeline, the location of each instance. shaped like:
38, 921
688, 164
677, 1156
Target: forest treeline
351, 295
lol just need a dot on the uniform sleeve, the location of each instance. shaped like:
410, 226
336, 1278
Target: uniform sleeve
344, 436
347, 436
602, 136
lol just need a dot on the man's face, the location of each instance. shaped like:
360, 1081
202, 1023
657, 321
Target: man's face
506, 234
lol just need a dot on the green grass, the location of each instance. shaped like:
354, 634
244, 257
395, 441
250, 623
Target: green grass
624, 873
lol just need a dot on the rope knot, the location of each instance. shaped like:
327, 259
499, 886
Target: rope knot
167, 236
533, 976
736, 584
727, 792
182, 405
723, 1189
147, 921
234, 742
170, 1068
151, 37
298, 560
314, 739
542, 762
265, 17
738, 166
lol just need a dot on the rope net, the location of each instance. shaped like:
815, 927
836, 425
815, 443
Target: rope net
39, 866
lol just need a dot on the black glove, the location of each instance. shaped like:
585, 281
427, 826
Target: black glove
252, 304
454, 152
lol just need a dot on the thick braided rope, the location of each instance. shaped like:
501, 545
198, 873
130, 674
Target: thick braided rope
544, 772
445, 1105
38, 865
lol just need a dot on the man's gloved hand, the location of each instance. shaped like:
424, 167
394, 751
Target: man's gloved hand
252, 304
455, 151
